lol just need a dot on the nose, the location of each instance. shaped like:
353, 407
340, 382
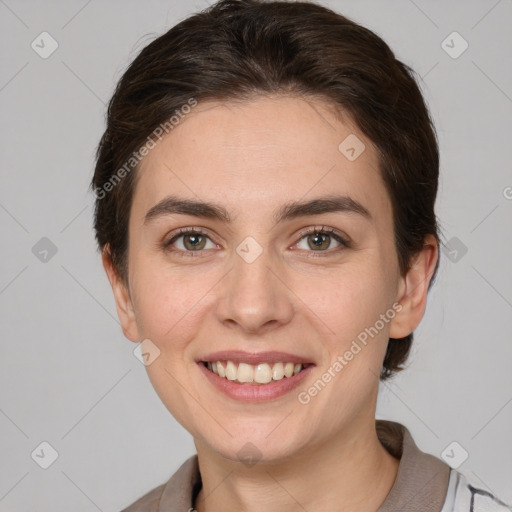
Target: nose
254, 297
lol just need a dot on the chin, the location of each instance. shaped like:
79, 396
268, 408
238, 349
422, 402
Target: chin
254, 448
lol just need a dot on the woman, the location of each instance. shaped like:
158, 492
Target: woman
265, 195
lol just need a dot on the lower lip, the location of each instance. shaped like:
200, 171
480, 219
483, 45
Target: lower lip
255, 392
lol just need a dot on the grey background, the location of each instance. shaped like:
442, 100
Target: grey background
67, 374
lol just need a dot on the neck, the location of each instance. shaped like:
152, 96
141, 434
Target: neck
352, 472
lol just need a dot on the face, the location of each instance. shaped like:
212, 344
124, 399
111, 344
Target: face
292, 260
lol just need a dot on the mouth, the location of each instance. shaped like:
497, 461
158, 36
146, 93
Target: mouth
254, 377
259, 374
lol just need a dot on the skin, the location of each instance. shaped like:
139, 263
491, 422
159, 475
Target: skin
252, 157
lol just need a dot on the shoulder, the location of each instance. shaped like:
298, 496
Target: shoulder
176, 494
148, 503
466, 495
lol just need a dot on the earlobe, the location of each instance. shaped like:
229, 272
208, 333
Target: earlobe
413, 288
124, 306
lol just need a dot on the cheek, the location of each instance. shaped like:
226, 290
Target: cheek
161, 300
169, 313
348, 298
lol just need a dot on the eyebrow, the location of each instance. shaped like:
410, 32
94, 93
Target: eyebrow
330, 204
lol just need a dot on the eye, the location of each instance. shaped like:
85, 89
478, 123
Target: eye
320, 240
194, 240
191, 240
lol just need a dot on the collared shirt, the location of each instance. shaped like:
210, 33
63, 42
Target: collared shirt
423, 483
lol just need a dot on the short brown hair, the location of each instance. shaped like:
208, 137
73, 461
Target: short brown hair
236, 49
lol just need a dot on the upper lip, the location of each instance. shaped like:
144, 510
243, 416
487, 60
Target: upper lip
239, 356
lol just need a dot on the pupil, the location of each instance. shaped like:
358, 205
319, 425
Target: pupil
319, 239
193, 241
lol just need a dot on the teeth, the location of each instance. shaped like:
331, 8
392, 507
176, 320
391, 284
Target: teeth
278, 371
231, 371
288, 369
245, 373
263, 373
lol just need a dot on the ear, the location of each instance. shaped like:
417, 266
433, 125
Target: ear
124, 306
413, 288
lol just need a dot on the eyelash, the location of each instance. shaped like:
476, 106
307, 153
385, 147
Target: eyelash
345, 244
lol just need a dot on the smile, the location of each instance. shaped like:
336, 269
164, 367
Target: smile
262, 373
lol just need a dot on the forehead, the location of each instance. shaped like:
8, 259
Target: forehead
258, 154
